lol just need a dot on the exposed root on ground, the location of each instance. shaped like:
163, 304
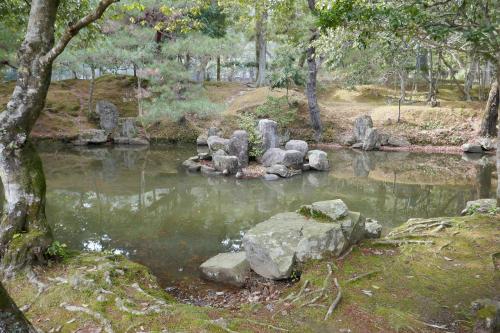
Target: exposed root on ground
336, 301
104, 322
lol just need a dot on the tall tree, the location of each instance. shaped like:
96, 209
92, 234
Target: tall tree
261, 32
24, 232
12, 319
312, 65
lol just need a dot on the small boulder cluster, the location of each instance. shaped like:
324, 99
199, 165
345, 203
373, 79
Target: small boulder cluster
367, 137
218, 155
479, 146
273, 248
111, 126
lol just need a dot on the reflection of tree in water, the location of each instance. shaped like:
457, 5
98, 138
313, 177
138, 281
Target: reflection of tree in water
142, 203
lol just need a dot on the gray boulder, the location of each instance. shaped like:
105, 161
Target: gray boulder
298, 145
361, 125
201, 140
472, 148
91, 136
229, 268
487, 143
332, 209
373, 229
214, 131
371, 140
353, 226
318, 160
384, 139
273, 246
108, 116
268, 130
273, 156
398, 141
215, 143
226, 164
219, 152
238, 146
293, 159
480, 206
282, 171
127, 128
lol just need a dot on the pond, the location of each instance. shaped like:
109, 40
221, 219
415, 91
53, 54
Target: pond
140, 202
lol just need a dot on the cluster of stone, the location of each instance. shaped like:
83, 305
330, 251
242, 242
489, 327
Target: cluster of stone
479, 146
111, 127
274, 247
367, 137
230, 156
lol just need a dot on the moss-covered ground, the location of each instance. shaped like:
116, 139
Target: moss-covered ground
425, 287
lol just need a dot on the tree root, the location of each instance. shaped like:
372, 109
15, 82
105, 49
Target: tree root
301, 292
322, 291
396, 242
416, 227
336, 301
121, 305
346, 253
275, 328
359, 277
141, 291
104, 322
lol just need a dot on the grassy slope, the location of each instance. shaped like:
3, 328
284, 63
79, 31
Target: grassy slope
414, 285
453, 123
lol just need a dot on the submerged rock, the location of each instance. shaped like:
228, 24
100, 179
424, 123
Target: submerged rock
238, 146
268, 130
270, 177
318, 160
229, 268
191, 165
298, 145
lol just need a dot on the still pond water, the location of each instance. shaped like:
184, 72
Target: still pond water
139, 201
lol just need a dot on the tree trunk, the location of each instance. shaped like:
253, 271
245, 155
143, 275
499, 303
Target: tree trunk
218, 69
312, 100
24, 232
91, 88
402, 85
12, 319
262, 48
432, 88
470, 77
489, 122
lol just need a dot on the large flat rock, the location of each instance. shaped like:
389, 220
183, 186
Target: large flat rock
273, 246
229, 268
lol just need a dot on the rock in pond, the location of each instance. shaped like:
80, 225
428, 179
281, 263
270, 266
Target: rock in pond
273, 246
238, 146
361, 125
108, 116
487, 143
191, 164
229, 268
215, 143
268, 130
289, 158
298, 145
331, 209
270, 177
226, 164
318, 160
472, 148
283, 171
371, 140
91, 136
398, 141
480, 206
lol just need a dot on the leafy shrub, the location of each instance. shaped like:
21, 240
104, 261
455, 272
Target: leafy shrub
57, 250
279, 110
248, 122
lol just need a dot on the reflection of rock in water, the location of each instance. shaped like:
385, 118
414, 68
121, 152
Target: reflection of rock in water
362, 164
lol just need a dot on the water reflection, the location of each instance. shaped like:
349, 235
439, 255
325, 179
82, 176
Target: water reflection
137, 201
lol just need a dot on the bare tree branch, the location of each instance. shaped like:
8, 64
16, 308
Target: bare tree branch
73, 30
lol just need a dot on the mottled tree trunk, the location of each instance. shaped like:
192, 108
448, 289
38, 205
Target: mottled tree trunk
261, 25
11, 318
24, 232
312, 99
218, 69
489, 122
470, 77
402, 85
91, 88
